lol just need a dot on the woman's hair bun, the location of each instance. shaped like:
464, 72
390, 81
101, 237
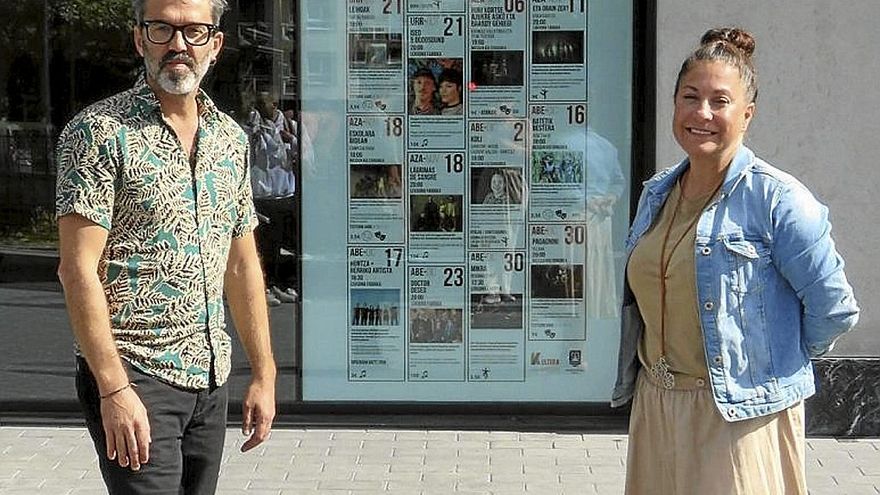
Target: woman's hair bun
737, 37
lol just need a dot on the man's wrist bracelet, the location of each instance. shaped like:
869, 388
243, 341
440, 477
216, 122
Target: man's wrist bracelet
120, 389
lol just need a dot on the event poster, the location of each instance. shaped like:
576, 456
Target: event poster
476, 249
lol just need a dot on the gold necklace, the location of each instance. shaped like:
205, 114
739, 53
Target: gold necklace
660, 369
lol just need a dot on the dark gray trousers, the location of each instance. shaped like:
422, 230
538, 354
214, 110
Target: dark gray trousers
187, 428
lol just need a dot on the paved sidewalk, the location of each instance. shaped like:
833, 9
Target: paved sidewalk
412, 462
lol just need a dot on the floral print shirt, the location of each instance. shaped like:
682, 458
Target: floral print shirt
170, 222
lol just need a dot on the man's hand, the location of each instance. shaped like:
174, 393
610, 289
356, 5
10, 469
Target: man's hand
258, 412
127, 429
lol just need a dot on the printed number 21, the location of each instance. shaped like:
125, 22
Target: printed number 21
449, 21
387, 8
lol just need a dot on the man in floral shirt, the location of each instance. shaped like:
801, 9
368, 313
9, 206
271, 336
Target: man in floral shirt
155, 218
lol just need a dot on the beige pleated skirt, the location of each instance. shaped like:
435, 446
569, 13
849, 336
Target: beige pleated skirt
680, 445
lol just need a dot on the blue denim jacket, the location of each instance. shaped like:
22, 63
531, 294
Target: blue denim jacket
770, 285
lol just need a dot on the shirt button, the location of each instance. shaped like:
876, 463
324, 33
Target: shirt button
701, 382
706, 251
717, 359
731, 412
708, 305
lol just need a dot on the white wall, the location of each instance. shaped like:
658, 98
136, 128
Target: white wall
818, 114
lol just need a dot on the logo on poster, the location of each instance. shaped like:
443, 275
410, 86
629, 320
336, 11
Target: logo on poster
574, 358
538, 360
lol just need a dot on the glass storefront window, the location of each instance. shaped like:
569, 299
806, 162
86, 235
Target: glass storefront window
466, 198
462, 172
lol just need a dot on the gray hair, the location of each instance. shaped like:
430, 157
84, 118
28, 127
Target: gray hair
217, 9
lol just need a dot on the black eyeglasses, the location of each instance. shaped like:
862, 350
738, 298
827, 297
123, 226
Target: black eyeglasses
195, 34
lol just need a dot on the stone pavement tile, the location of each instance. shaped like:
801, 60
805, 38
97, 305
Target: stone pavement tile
538, 461
23, 491
336, 472
278, 485
20, 483
458, 477
52, 432
421, 434
409, 445
334, 457
543, 452
238, 491
602, 470
617, 462
271, 471
88, 489
858, 481
543, 486
408, 456
41, 473
379, 434
432, 467
311, 433
572, 469
333, 444
8, 471
500, 488
306, 466
370, 468
505, 456
488, 435
573, 458
439, 486
509, 468
234, 471
466, 445
383, 458
234, 483
349, 434
412, 477
370, 485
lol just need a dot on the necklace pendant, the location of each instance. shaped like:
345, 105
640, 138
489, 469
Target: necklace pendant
660, 372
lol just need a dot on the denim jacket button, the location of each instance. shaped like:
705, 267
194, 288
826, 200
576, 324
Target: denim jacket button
706, 251
708, 305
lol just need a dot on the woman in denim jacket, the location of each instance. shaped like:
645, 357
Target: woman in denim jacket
732, 284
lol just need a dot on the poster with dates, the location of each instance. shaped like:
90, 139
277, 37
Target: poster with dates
468, 230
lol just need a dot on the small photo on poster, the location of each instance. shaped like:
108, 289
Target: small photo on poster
435, 213
375, 181
496, 186
497, 67
375, 50
435, 86
375, 307
435, 325
496, 310
557, 167
557, 47
558, 281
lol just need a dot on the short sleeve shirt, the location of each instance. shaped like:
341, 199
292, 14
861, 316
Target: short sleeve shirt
170, 223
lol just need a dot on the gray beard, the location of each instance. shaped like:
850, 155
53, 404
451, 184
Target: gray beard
174, 83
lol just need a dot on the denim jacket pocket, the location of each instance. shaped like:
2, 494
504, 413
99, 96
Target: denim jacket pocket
746, 261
